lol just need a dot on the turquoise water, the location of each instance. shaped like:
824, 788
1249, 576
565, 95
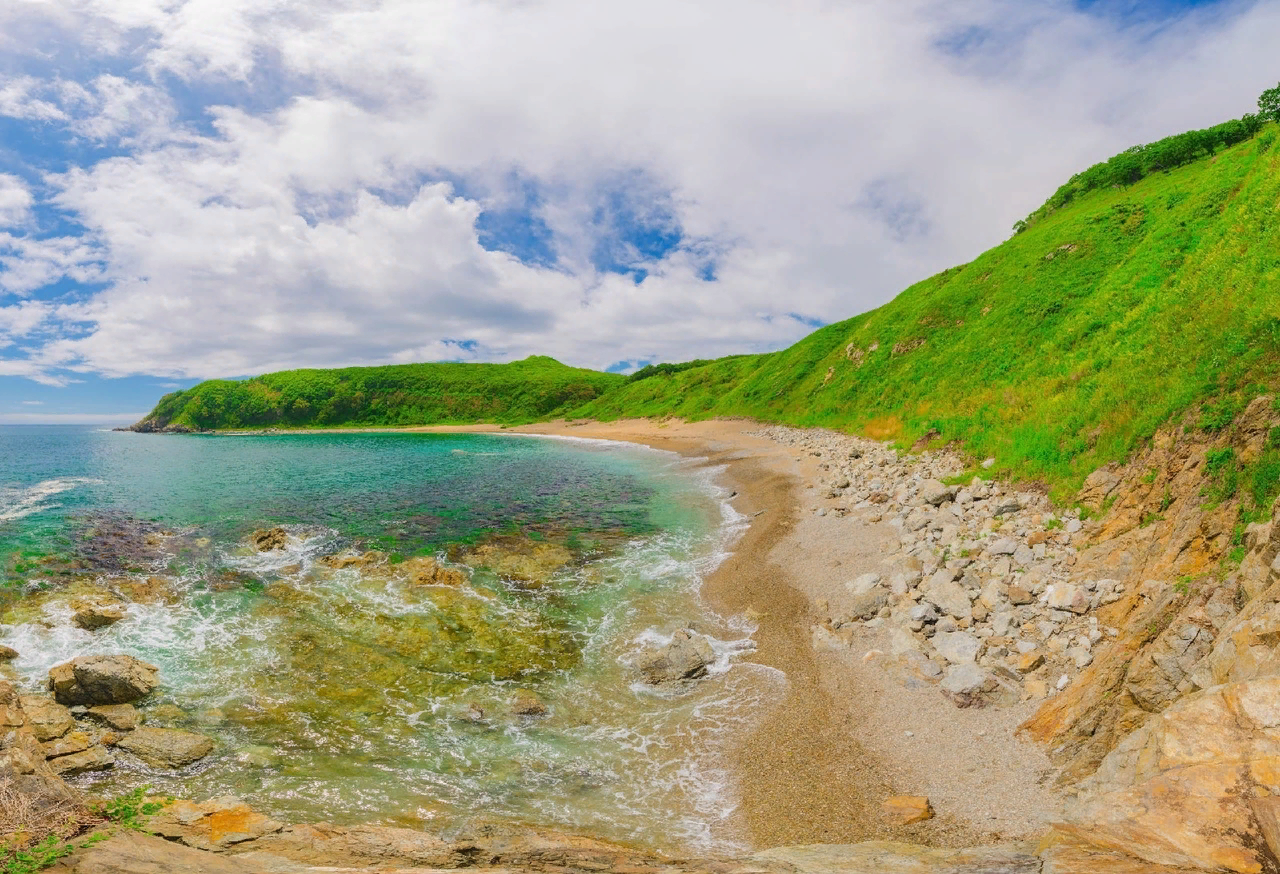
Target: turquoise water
355, 694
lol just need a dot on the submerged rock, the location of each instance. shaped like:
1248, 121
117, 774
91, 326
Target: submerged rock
166, 747
528, 562
526, 703
269, 539
105, 679
686, 657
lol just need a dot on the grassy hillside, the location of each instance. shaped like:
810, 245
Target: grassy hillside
402, 394
1109, 312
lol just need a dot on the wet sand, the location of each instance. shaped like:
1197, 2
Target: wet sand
805, 774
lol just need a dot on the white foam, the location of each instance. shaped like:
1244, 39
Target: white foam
19, 501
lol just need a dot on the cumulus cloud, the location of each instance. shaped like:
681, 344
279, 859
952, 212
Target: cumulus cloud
357, 182
15, 201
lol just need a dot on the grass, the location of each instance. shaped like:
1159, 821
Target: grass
1060, 350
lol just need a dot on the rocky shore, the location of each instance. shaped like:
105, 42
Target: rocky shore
1091, 688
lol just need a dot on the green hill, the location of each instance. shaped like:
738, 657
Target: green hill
1147, 286
1111, 311
398, 394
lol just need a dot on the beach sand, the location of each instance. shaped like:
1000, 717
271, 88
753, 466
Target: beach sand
852, 729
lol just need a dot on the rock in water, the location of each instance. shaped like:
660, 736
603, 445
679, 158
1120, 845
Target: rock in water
105, 679
46, 719
685, 658
92, 759
166, 747
121, 717
94, 617
269, 539
8, 653
906, 809
525, 703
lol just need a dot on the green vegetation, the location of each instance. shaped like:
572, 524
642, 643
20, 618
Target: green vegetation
1269, 104
401, 394
1134, 299
131, 809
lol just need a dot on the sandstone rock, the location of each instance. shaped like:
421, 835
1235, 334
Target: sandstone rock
906, 809
46, 718
1181, 790
212, 825
95, 616
958, 647
886, 857
114, 679
1018, 596
121, 717
685, 658
269, 539
526, 703
1029, 661
72, 742
166, 747
93, 759
134, 853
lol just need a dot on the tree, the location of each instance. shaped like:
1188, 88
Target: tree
1269, 104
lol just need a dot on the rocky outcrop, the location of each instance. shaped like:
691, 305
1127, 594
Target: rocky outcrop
269, 539
105, 679
93, 617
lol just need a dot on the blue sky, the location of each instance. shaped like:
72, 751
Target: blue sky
193, 190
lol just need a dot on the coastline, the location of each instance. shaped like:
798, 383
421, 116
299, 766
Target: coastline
818, 765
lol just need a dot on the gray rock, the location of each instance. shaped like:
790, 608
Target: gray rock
964, 684
935, 493
1024, 555
949, 596
1003, 546
685, 658
923, 666
166, 747
1073, 526
866, 596
988, 463
925, 612
114, 679
957, 647
1005, 506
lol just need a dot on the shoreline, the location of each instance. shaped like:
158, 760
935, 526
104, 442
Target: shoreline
816, 768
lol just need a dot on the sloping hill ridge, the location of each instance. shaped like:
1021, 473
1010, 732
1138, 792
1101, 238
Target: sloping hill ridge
1055, 352
397, 394
1058, 351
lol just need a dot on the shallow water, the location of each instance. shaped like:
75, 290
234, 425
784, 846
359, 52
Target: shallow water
355, 695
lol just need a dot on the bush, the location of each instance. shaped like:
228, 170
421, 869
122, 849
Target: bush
1269, 104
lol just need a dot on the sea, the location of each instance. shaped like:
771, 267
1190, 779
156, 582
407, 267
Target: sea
340, 686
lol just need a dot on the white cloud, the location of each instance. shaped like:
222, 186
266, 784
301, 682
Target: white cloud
827, 154
15, 201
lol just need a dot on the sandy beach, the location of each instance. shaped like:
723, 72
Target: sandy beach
853, 728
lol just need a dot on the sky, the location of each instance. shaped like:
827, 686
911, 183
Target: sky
193, 189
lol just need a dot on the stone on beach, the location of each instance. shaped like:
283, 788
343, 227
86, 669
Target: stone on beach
686, 657
906, 809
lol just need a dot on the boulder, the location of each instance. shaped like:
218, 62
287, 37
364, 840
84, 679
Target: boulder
957, 647
166, 747
964, 684
1065, 596
92, 759
906, 809
121, 717
8, 653
1003, 546
269, 539
949, 596
934, 492
46, 718
97, 616
685, 658
866, 596
106, 679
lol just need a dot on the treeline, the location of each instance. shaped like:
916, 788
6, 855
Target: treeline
1138, 162
406, 394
